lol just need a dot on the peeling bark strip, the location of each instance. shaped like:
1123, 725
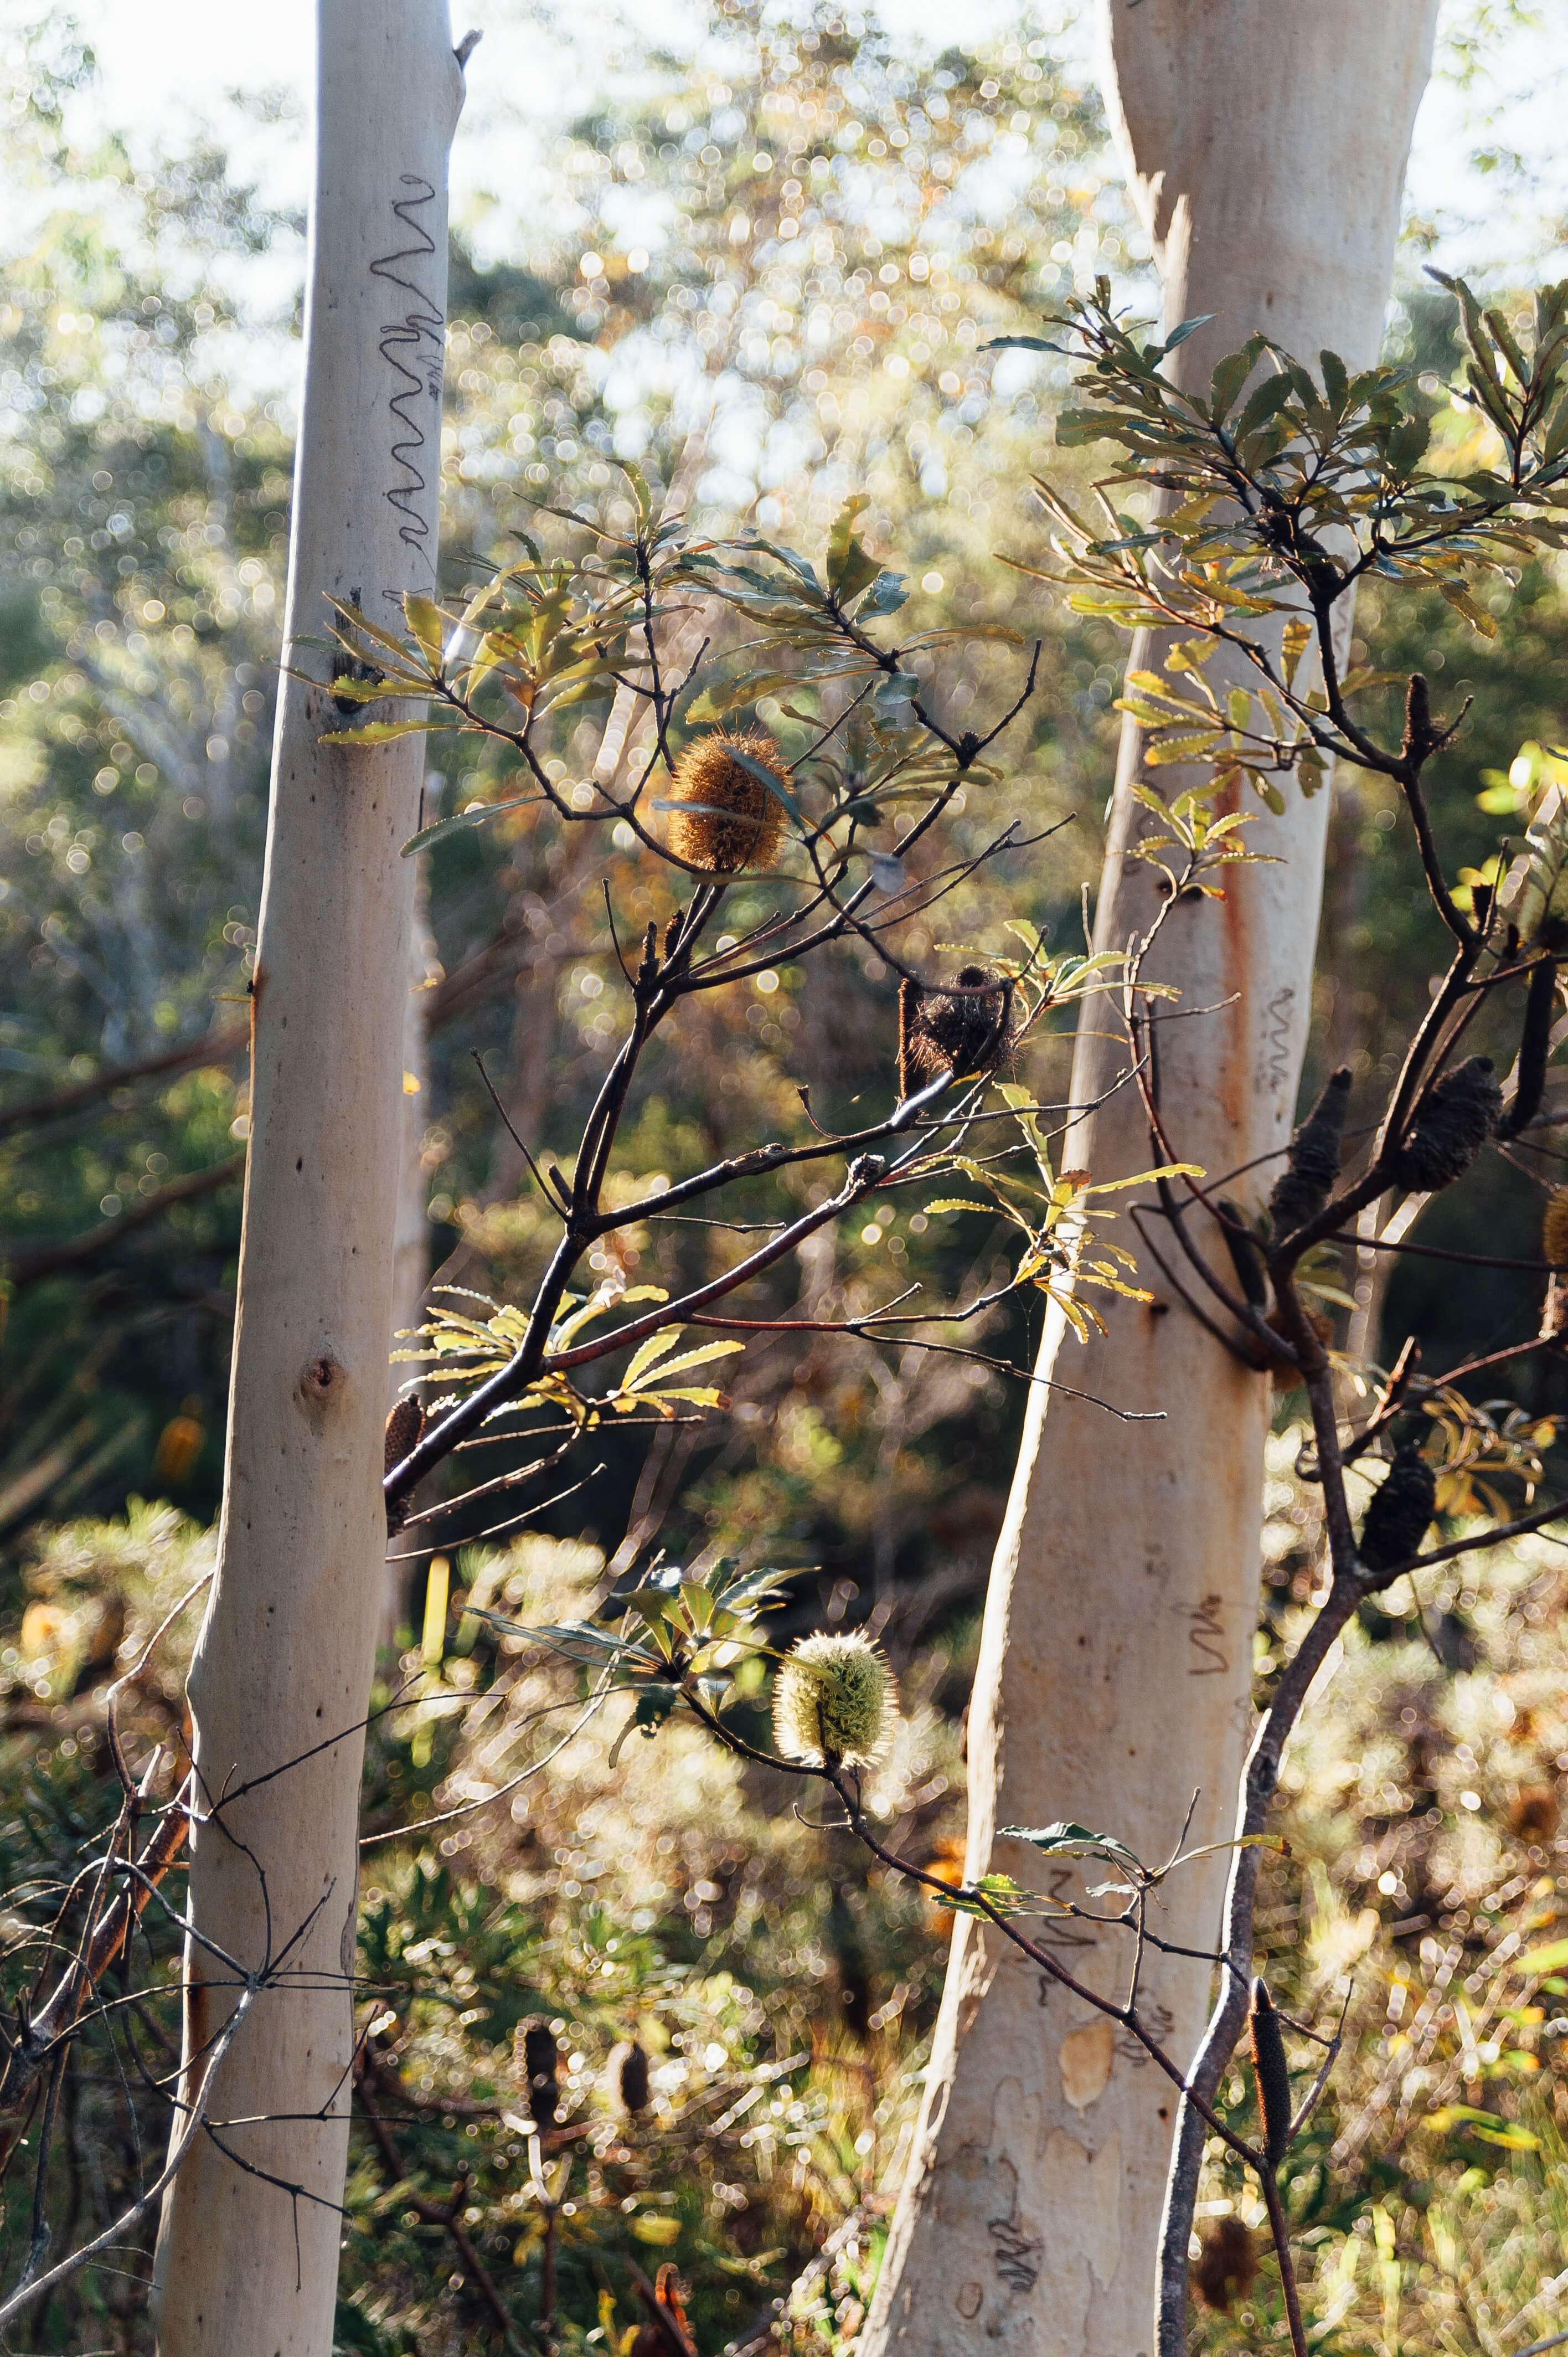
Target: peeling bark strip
248, 2249
1265, 147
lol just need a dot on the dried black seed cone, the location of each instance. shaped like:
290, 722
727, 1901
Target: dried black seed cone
536, 2059
1454, 1124
1245, 1257
1226, 2264
1397, 1518
965, 1029
626, 2079
1312, 1162
404, 1425
1272, 2073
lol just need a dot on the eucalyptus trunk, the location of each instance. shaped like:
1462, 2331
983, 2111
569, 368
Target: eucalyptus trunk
248, 2250
1265, 147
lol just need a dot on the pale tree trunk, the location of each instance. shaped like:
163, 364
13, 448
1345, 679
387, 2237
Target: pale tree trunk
411, 1238
1266, 144
246, 2266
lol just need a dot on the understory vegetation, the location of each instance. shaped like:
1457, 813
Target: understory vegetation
640, 2032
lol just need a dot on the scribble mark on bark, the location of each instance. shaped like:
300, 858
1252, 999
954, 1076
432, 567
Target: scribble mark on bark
1205, 1630
414, 347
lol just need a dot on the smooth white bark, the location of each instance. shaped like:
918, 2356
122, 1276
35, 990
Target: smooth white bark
283, 1660
1265, 145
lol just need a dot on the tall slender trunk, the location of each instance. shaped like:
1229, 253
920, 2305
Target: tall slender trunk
248, 2249
1265, 145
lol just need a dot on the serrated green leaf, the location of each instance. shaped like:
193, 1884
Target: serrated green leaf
428, 624
382, 732
458, 820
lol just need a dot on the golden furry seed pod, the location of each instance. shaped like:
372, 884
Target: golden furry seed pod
724, 818
834, 1700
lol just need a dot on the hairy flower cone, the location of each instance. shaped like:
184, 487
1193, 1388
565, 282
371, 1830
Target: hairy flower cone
1226, 2264
966, 1029
536, 2059
626, 2078
1455, 1122
1311, 1163
1399, 1515
833, 1699
726, 818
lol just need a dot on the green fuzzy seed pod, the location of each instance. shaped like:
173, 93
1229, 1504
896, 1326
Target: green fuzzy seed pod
1455, 1122
1313, 1160
1399, 1515
626, 2079
834, 1700
1271, 2071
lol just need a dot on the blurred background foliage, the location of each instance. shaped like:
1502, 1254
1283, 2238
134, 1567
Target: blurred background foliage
766, 269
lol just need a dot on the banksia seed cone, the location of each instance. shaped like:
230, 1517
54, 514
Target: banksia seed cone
1454, 1124
626, 2078
726, 818
1532, 1814
1272, 2073
1554, 1248
1554, 1228
404, 1425
1226, 2264
1397, 1517
536, 2059
965, 1029
833, 1699
1312, 1161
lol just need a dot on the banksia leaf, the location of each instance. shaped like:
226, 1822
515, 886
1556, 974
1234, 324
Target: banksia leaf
967, 1028
833, 1700
536, 2059
1272, 2073
1312, 1162
1397, 1517
1226, 2264
723, 817
626, 2079
1452, 1127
